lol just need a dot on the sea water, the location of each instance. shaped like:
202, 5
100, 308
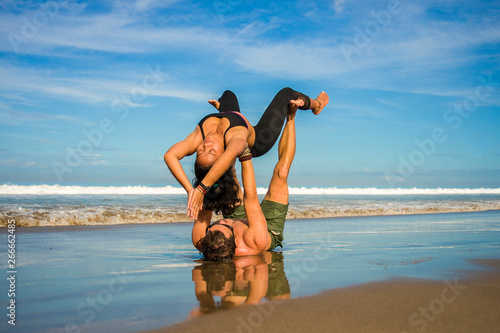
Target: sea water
56, 205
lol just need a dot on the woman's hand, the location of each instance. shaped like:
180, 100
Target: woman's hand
195, 203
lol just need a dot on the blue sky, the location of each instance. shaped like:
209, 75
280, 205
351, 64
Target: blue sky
95, 92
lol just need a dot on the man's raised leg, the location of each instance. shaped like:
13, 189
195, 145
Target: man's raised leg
278, 188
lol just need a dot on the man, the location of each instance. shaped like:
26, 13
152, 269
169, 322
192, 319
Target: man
253, 228
244, 280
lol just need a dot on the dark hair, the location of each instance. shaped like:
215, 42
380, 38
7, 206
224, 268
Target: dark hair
216, 275
223, 195
216, 247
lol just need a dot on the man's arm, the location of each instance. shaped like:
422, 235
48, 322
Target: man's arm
256, 236
200, 226
258, 277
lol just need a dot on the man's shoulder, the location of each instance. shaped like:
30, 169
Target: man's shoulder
256, 240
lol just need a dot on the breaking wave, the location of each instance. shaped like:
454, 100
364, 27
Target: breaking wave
8, 189
66, 215
58, 205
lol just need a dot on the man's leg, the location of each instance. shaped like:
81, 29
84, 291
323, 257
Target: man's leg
278, 188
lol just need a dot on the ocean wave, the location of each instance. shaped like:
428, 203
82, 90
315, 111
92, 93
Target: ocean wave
92, 215
8, 189
390, 191
380, 211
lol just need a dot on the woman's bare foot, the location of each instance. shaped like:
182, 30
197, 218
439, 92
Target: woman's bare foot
294, 105
215, 103
319, 103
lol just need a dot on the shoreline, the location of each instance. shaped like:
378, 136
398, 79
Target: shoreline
215, 218
466, 302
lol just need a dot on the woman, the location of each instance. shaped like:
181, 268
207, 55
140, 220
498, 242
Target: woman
221, 137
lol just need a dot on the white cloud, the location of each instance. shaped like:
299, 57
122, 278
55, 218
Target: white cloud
18, 162
100, 162
150, 4
192, 95
120, 32
95, 88
411, 46
9, 163
411, 43
40, 119
390, 103
339, 6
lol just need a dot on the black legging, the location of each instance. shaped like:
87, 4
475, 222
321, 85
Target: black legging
268, 129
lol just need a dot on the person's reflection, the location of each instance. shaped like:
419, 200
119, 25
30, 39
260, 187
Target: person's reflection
245, 280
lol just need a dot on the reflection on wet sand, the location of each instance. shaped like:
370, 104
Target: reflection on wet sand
245, 280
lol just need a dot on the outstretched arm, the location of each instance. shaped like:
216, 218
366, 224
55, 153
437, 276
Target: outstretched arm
177, 152
256, 236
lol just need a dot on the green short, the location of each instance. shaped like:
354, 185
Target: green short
278, 283
275, 214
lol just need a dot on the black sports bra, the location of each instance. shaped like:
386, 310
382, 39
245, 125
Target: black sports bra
234, 117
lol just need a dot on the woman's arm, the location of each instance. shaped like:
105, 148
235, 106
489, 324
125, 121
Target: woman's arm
234, 147
176, 153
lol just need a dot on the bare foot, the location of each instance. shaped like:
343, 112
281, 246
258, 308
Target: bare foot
294, 105
320, 102
215, 103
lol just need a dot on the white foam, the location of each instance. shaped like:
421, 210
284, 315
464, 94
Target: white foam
390, 191
8, 189
64, 215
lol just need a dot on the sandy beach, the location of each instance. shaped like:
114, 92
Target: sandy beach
364, 274
470, 304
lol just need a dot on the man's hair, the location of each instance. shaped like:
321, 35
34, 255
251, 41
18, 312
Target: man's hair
216, 247
216, 275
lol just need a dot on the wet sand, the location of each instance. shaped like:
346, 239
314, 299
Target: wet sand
134, 278
470, 303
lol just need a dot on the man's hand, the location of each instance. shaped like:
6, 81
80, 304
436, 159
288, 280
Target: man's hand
195, 203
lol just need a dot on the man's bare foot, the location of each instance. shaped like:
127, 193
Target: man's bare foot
319, 103
294, 105
215, 103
